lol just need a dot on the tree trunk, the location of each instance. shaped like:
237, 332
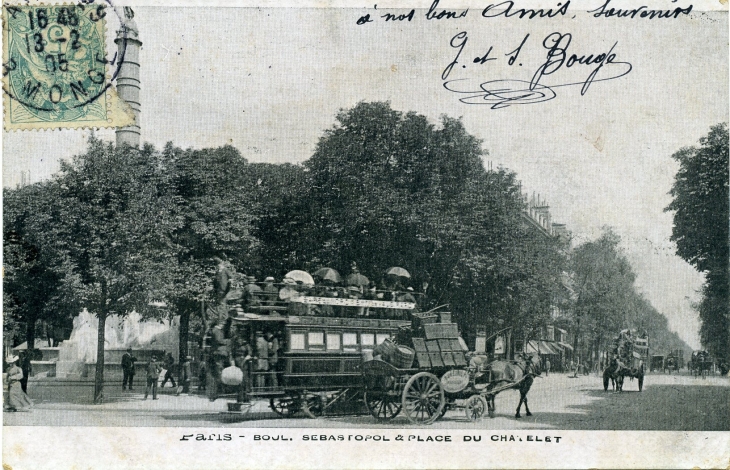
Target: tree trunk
576, 355
30, 330
99, 374
184, 334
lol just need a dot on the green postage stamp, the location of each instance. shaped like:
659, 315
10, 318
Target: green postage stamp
55, 68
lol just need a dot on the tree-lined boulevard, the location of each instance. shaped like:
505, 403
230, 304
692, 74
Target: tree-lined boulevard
120, 229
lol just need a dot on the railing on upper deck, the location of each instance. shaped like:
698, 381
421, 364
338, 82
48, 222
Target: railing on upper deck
325, 301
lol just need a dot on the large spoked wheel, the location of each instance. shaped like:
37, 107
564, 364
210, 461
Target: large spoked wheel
313, 405
475, 407
382, 405
423, 398
284, 406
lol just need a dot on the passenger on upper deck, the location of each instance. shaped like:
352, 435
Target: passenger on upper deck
251, 294
268, 296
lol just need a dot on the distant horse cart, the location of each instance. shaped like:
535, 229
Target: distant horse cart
628, 360
701, 364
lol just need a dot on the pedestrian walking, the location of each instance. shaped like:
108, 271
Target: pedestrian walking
26, 368
153, 373
17, 398
169, 367
202, 374
128, 371
185, 376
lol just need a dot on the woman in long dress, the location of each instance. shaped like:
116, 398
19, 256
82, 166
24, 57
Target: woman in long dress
17, 399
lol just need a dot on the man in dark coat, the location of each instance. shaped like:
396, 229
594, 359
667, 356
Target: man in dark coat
185, 375
128, 361
25, 357
262, 354
153, 373
169, 367
219, 357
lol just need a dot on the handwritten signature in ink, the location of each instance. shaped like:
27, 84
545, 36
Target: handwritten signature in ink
510, 92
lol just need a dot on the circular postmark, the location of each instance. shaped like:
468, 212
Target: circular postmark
55, 61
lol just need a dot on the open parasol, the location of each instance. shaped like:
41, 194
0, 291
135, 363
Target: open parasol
300, 276
398, 272
357, 279
328, 274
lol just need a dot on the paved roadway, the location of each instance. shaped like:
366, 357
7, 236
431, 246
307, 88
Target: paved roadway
668, 402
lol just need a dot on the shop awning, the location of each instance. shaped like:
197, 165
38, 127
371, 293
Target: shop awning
566, 345
542, 347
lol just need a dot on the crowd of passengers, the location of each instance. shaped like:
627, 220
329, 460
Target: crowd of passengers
271, 297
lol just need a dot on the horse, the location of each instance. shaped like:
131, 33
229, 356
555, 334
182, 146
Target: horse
616, 375
519, 373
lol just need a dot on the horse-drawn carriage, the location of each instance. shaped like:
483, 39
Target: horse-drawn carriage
701, 364
627, 359
441, 379
339, 353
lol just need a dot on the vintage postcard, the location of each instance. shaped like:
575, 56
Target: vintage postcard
429, 234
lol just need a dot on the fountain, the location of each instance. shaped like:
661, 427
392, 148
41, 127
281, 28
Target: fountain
77, 355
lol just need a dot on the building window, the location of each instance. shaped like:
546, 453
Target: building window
382, 337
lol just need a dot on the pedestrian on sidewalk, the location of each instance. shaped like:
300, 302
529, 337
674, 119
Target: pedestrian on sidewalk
153, 373
169, 366
25, 366
185, 376
128, 361
17, 399
547, 366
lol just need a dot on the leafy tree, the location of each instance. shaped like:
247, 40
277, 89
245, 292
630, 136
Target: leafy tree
604, 284
701, 214
607, 300
386, 188
215, 202
33, 278
116, 214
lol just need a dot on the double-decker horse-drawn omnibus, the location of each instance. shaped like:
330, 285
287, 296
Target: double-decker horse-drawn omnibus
320, 342
317, 354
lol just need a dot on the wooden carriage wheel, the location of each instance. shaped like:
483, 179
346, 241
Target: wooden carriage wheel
475, 407
313, 405
423, 398
285, 406
382, 405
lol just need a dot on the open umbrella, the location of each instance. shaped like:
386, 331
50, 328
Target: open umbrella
328, 274
399, 272
300, 276
357, 279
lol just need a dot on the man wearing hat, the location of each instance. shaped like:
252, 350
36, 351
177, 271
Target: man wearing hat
269, 293
251, 293
128, 361
262, 353
353, 292
153, 373
185, 374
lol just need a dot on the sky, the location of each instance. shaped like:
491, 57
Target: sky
271, 81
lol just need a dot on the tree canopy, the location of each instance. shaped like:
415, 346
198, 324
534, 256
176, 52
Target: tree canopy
701, 209
121, 229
